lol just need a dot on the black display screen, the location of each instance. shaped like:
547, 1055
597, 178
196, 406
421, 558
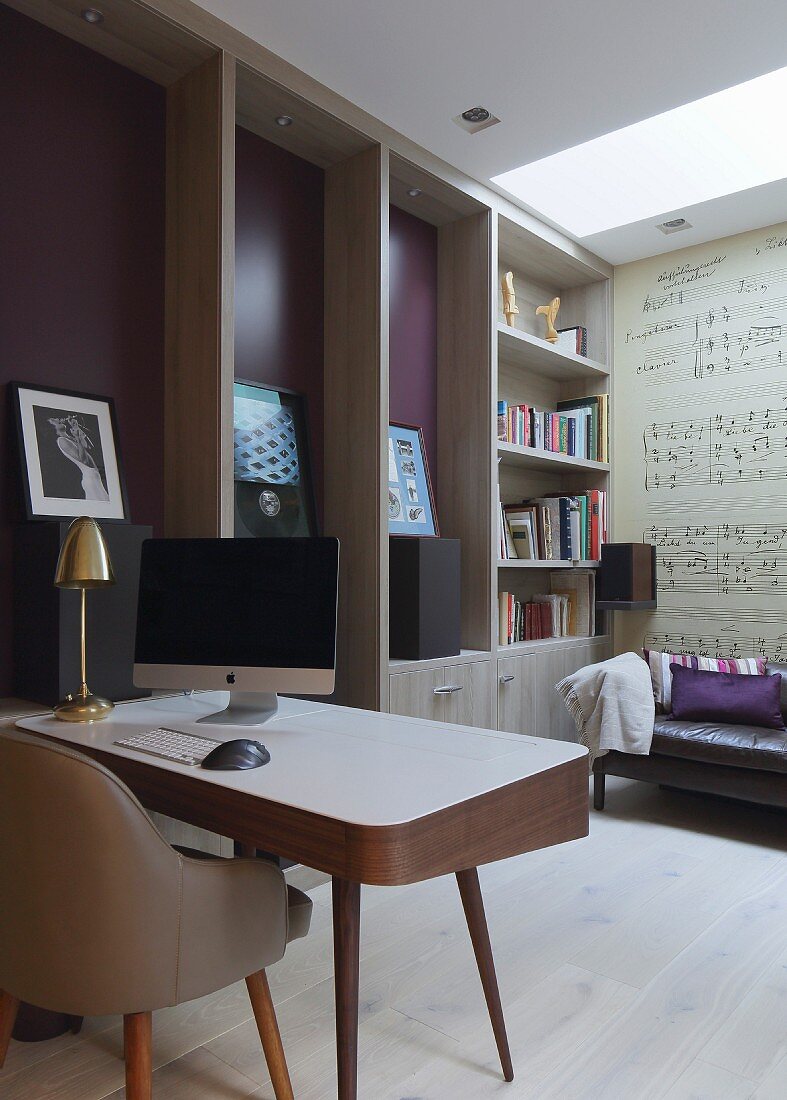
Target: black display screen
259, 603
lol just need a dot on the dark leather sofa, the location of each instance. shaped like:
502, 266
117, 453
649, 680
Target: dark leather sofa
746, 762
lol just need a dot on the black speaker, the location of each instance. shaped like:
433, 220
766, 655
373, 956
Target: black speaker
628, 572
46, 619
425, 598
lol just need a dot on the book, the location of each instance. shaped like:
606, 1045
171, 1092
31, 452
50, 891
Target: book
502, 420
522, 525
574, 339
579, 586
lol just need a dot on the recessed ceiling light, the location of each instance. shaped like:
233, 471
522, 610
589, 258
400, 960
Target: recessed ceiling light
284, 120
674, 225
93, 15
719, 145
413, 192
475, 119
477, 114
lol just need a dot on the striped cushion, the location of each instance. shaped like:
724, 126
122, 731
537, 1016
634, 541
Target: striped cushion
662, 677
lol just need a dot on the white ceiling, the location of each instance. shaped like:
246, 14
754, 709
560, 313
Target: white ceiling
556, 74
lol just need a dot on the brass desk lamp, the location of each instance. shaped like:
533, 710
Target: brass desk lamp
83, 563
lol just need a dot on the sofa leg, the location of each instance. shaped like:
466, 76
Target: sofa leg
598, 790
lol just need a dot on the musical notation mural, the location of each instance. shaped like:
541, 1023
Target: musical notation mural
717, 450
700, 441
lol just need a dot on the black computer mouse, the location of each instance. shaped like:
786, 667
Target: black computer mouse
236, 756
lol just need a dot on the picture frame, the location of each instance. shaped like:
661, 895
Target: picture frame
272, 465
411, 507
69, 454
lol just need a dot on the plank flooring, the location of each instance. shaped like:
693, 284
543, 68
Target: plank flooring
646, 962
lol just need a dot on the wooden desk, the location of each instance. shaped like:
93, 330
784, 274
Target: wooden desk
368, 798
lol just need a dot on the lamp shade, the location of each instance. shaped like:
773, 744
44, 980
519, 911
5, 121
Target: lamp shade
84, 560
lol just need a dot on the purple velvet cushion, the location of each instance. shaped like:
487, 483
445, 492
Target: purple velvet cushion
701, 696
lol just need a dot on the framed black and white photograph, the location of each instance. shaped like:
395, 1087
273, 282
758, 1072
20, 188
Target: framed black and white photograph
69, 454
274, 488
411, 509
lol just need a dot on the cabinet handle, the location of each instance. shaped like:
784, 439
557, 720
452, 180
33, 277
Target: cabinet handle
449, 689
507, 679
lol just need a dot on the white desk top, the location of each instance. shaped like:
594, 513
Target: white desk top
358, 766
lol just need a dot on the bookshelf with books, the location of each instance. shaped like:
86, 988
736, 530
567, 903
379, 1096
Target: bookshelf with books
551, 424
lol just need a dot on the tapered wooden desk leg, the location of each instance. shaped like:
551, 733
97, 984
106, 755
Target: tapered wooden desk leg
473, 903
346, 965
138, 1042
9, 1006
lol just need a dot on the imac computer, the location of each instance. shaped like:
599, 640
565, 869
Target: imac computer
255, 616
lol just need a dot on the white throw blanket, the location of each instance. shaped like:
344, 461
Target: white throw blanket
612, 705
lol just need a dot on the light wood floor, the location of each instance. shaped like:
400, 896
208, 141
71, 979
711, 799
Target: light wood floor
647, 961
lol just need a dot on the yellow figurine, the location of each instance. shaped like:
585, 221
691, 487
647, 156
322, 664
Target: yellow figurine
510, 308
549, 313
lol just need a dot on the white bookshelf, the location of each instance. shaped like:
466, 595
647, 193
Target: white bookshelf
535, 355
533, 458
544, 563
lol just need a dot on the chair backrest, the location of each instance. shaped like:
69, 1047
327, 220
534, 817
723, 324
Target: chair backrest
89, 889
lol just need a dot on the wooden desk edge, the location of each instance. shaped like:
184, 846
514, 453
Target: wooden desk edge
550, 807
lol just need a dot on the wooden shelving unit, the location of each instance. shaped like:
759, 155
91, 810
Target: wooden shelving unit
216, 78
531, 371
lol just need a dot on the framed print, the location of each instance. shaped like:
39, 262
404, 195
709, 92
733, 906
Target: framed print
411, 509
69, 454
274, 490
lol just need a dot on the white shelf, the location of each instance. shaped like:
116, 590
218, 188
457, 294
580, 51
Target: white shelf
544, 563
540, 357
511, 454
548, 643
398, 664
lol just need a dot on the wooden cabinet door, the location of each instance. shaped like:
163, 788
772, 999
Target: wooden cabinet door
413, 694
552, 716
516, 694
471, 704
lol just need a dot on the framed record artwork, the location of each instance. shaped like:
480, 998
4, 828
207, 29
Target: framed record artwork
411, 509
69, 454
274, 490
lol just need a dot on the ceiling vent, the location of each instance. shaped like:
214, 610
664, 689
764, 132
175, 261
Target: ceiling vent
476, 119
674, 225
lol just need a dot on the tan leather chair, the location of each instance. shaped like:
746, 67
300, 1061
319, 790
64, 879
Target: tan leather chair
99, 915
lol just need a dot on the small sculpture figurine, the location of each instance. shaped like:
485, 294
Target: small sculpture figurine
510, 307
550, 315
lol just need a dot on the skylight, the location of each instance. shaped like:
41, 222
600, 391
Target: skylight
723, 143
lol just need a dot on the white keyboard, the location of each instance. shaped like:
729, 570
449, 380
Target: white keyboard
169, 744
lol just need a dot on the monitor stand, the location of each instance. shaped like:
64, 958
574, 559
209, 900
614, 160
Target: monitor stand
245, 708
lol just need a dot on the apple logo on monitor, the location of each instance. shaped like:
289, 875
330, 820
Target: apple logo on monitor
230, 677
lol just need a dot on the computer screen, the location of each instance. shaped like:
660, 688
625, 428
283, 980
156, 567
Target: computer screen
238, 612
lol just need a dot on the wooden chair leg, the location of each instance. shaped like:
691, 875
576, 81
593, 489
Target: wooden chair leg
268, 1027
138, 1044
9, 1006
473, 904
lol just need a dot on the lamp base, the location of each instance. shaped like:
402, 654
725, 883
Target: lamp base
83, 707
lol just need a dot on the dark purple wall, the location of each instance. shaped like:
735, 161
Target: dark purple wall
279, 276
82, 272
413, 342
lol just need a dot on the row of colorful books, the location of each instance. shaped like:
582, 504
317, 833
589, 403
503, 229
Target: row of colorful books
579, 428
566, 611
555, 527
